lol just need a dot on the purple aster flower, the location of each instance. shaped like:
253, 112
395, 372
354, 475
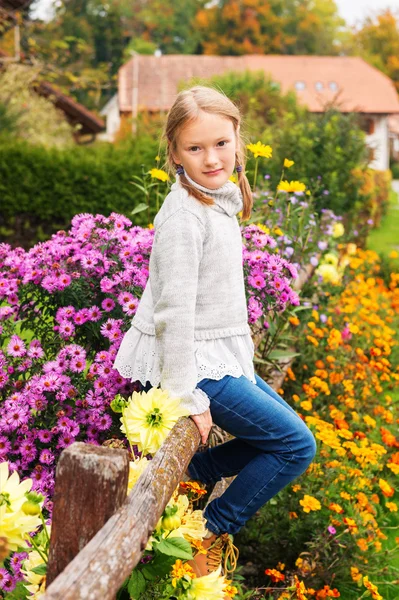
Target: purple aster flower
108, 304
322, 245
46, 457
44, 435
16, 346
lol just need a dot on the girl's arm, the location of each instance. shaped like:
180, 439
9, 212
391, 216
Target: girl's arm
174, 266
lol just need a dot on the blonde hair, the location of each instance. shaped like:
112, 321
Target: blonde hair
186, 108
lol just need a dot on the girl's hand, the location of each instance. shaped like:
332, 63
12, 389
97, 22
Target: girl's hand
204, 424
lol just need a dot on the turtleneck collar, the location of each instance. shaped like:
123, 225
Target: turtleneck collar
227, 198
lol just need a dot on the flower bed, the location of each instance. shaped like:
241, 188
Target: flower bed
342, 512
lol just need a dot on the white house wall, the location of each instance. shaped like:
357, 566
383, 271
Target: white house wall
379, 142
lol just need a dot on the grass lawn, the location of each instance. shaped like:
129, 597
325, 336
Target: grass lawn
385, 238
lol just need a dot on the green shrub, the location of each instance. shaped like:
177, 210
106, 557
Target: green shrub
42, 189
395, 170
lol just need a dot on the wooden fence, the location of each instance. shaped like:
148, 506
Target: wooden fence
98, 533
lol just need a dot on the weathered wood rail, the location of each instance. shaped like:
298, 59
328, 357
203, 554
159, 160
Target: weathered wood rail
98, 533
101, 567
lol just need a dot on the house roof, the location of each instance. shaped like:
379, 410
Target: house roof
15, 4
349, 82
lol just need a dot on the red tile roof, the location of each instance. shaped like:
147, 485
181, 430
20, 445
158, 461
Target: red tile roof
348, 81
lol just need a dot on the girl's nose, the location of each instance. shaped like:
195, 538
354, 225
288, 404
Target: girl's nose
211, 159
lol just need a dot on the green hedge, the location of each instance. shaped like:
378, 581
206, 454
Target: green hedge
42, 189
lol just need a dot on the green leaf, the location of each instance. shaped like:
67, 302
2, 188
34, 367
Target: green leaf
161, 565
261, 360
178, 547
136, 585
140, 187
282, 354
139, 208
40, 569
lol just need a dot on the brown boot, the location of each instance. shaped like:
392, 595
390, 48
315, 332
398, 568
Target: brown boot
203, 564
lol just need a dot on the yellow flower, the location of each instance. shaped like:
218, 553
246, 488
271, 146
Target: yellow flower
180, 570
159, 174
288, 163
12, 491
233, 178
291, 186
260, 149
394, 467
355, 574
37, 582
369, 421
386, 489
309, 503
230, 590
328, 273
330, 259
157, 158
338, 230
14, 523
208, 587
192, 521
136, 468
149, 417
372, 588
393, 254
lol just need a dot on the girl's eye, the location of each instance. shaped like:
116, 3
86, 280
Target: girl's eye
193, 148
223, 142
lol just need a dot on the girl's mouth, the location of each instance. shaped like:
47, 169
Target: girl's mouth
213, 172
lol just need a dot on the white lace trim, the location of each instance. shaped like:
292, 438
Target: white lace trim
137, 360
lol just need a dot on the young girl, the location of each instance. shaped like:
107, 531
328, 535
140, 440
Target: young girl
190, 333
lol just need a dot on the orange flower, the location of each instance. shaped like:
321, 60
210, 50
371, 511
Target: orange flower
372, 588
355, 574
300, 589
362, 543
275, 575
327, 592
336, 507
386, 489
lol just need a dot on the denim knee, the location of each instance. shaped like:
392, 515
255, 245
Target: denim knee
309, 447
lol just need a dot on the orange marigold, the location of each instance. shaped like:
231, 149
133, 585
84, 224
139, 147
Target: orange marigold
275, 575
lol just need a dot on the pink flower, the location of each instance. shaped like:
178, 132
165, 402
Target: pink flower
16, 346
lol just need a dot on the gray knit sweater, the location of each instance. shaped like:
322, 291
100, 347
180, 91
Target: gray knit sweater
195, 289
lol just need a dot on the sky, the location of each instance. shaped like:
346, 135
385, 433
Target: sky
352, 11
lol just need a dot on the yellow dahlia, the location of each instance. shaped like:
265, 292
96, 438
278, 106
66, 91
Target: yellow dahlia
149, 417
338, 230
208, 587
136, 468
37, 583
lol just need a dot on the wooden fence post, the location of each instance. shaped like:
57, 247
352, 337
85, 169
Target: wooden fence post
91, 484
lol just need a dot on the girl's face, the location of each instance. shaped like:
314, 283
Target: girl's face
206, 148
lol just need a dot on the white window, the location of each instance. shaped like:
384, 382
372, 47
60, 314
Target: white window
333, 85
319, 86
300, 85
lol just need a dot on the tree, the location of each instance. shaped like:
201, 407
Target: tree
378, 42
235, 27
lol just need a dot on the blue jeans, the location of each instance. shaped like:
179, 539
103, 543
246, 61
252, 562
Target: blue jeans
272, 447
